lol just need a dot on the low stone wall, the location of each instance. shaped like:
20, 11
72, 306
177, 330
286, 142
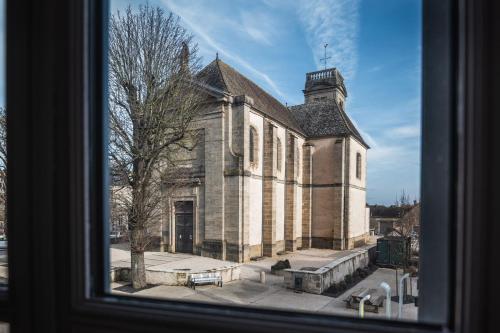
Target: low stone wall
173, 277
318, 281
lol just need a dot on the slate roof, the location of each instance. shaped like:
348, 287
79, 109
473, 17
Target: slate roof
223, 77
325, 118
321, 118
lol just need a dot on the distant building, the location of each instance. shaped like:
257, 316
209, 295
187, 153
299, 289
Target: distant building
384, 220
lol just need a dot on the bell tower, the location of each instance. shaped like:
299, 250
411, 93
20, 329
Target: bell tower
324, 85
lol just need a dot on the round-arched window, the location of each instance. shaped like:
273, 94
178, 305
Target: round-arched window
253, 145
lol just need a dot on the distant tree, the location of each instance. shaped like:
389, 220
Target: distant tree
406, 224
153, 101
403, 202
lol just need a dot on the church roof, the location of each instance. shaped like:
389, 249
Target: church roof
315, 119
223, 77
325, 118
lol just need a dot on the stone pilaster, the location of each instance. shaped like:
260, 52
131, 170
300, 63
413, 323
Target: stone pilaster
290, 242
306, 195
214, 243
269, 191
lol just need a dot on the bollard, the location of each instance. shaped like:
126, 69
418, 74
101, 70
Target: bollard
387, 289
263, 277
400, 308
362, 306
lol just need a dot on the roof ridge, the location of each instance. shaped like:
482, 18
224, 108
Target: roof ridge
348, 123
284, 115
221, 74
253, 83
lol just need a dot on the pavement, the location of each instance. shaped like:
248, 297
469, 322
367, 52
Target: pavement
169, 262
249, 291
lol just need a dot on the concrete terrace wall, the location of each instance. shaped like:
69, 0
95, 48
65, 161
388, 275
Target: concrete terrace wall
316, 282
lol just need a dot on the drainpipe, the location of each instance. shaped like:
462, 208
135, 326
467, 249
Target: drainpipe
387, 289
400, 309
362, 305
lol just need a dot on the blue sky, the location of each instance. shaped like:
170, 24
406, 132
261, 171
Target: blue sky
375, 44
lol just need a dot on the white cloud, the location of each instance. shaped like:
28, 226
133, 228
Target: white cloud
259, 26
200, 22
408, 131
334, 22
375, 69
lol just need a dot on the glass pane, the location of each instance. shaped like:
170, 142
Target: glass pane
263, 152
3, 153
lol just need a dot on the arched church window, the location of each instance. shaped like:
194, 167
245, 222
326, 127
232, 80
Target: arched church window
358, 165
278, 154
253, 145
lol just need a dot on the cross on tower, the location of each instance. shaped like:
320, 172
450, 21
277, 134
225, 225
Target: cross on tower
325, 58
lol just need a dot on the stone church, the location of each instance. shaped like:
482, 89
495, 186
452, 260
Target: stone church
266, 178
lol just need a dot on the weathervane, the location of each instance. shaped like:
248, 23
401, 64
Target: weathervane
325, 59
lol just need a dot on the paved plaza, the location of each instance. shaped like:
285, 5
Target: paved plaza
249, 291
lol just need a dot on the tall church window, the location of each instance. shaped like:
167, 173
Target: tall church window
278, 154
253, 145
358, 165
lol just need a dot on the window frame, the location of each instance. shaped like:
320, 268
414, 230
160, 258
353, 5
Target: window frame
59, 52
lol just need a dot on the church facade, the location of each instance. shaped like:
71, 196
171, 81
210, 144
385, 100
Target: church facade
265, 178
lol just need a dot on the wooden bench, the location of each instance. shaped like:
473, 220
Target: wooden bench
371, 305
204, 278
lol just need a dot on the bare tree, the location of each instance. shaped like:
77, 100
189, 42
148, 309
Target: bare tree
153, 101
3, 167
411, 218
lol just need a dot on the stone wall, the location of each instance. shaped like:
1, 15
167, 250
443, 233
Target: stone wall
328, 170
290, 193
269, 193
307, 195
318, 281
247, 209
213, 244
357, 228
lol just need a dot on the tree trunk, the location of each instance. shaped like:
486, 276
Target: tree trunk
138, 269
